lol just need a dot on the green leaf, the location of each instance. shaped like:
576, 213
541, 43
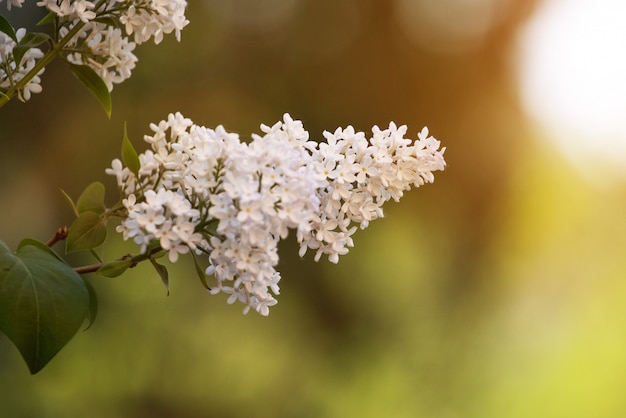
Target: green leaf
162, 272
7, 28
86, 232
108, 21
43, 247
199, 271
154, 248
49, 18
114, 268
129, 154
92, 312
96, 255
92, 199
30, 40
70, 201
95, 84
43, 301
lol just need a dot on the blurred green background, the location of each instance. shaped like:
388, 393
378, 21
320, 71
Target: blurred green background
496, 292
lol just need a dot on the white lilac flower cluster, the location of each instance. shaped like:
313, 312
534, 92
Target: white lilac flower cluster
142, 19
204, 190
107, 49
12, 72
361, 175
100, 43
109, 53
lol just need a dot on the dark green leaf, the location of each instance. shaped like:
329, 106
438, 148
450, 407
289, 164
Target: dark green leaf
96, 255
114, 268
43, 301
40, 245
92, 312
199, 271
92, 199
87, 232
49, 18
95, 84
108, 21
162, 272
129, 154
7, 28
30, 40
154, 247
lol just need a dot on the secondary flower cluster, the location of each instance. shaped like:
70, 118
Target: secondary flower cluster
99, 34
204, 190
10, 72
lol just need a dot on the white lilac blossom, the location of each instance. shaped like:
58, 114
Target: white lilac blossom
110, 54
105, 47
71, 9
153, 19
142, 19
361, 176
16, 3
12, 72
204, 190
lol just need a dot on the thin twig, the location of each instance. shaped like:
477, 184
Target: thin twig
92, 268
60, 235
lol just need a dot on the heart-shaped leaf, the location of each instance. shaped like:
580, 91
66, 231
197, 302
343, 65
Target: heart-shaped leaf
114, 268
43, 301
87, 232
91, 199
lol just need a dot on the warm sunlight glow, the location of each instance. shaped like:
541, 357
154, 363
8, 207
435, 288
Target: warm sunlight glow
573, 79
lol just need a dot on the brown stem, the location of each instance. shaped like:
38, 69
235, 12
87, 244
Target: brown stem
92, 268
60, 235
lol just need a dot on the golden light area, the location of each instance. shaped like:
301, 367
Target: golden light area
572, 74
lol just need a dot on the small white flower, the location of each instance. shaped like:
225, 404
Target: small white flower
12, 72
15, 3
154, 19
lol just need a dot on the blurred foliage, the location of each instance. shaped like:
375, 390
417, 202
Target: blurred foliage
496, 292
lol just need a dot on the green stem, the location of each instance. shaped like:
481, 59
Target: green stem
54, 51
92, 268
